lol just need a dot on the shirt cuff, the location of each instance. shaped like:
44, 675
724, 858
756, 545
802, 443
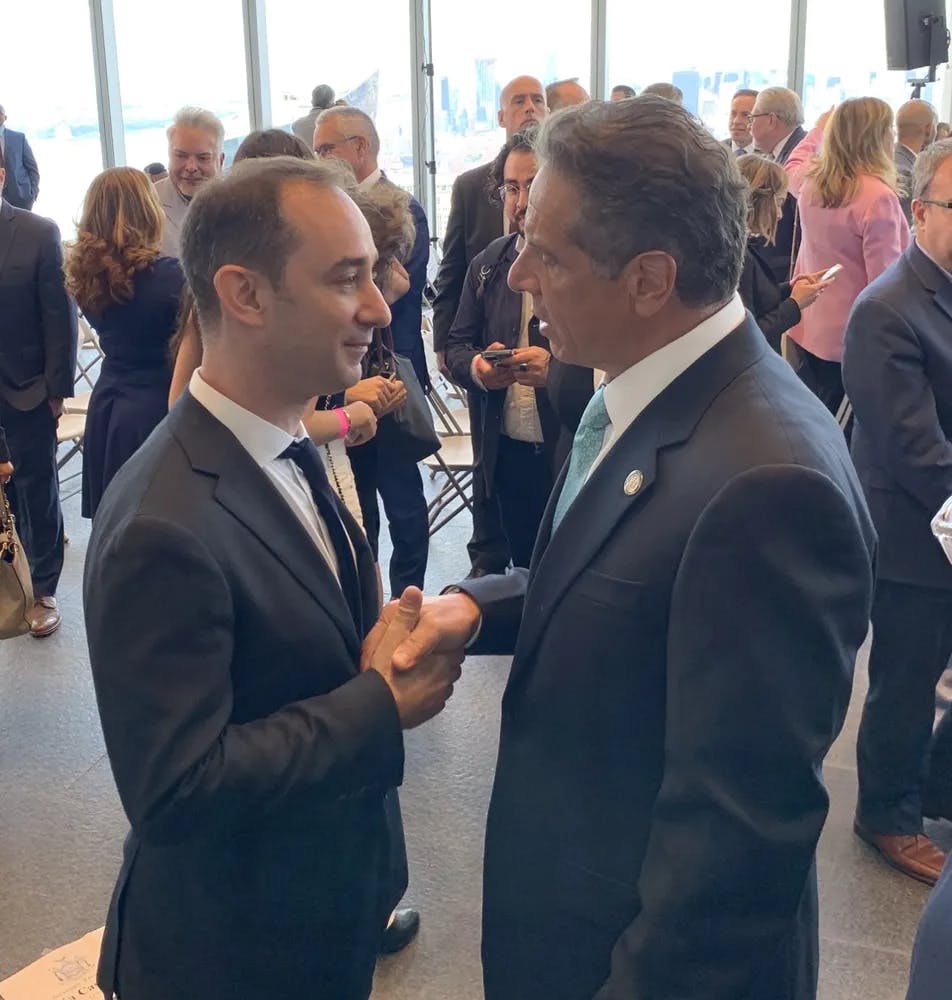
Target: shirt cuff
479, 625
474, 376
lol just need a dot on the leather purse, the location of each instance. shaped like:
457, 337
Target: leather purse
407, 435
16, 584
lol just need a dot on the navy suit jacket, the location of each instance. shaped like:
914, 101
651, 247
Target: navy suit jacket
779, 255
251, 757
897, 368
39, 335
22, 183
474, 222
684, 647
931, 971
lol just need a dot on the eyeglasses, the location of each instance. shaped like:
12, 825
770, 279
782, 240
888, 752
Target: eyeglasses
326, 148
932, 201
760, 114
512, 190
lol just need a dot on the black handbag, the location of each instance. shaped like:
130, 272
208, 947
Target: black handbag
407, 435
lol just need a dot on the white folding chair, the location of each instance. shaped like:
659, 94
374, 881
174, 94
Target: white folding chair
89, 355
70, 433
454, 463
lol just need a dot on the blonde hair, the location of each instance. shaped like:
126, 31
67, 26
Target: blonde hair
118, 236
858, 140
766, 185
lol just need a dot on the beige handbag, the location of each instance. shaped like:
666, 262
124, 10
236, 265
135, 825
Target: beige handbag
16, 586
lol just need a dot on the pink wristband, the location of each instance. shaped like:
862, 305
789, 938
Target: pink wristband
344, 417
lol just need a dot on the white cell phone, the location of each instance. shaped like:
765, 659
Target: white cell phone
831, 273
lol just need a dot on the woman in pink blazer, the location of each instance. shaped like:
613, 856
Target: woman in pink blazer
844, 179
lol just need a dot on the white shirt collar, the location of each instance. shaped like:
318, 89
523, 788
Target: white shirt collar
911, 152
778, 149
370, 180
263, 441
630, 393
747, 149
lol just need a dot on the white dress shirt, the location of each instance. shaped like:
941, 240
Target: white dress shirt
628, 394
737, 150
264, 442
774, 154
368, 182
520, 415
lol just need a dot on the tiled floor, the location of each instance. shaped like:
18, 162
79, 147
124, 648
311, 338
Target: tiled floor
61, 826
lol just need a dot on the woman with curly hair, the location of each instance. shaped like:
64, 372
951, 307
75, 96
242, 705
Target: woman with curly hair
130, 294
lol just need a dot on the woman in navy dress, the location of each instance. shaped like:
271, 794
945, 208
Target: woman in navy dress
130, 295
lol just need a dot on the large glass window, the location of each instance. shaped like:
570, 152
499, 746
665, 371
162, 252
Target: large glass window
834, 70
176, 53
363, 57
49, 93
476, 52
707, 49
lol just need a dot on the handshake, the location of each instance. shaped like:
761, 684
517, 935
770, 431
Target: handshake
418, 647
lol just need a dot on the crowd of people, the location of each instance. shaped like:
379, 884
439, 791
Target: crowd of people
656, 331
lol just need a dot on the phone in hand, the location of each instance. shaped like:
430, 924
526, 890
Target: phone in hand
497, 355
831, 272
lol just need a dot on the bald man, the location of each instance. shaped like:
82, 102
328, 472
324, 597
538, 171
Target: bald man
916, 123
565, 93
474, 223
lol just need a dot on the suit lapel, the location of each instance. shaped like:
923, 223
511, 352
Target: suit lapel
245, 491
8, 227
610, 493
933, 278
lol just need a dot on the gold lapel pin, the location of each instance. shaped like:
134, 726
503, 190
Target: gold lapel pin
633, 482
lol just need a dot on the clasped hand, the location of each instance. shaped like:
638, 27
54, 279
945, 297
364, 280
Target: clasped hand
528, 366
417, 646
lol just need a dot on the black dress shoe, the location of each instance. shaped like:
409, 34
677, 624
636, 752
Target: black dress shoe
402, 930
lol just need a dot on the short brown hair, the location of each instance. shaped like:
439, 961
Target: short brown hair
239, 220
649, 176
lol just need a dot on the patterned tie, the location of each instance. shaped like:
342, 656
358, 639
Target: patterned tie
585, 448
307, 458
740, 151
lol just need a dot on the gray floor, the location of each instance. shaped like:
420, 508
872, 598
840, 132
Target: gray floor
61, 826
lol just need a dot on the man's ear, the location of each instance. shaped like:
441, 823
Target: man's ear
650, 280
499, 118
244, 294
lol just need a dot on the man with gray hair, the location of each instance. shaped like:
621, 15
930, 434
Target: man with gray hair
227, 595
666, 90
684, 641
916, 122
897, 369
322, 98
776, 126
565, 94
196, 138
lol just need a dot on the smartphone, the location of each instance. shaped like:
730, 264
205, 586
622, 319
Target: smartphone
831, 273
498, 355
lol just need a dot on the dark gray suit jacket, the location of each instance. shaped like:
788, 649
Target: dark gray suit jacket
251, 757
474, 222
39, 335
897, 369
684, 661
22, 183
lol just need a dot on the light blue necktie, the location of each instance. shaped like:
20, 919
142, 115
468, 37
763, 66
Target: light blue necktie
585, 448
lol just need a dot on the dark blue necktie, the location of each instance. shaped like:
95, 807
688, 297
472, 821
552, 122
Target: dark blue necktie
306, 457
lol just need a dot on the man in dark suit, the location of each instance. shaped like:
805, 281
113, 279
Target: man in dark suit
740, 141
350, 135
475, 221
776, 123
685, 638
22, 183
897, 367
916, 122
227, 593
38, 343
515, 430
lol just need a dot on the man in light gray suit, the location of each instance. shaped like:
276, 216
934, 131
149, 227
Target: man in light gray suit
916, 123
196, 137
